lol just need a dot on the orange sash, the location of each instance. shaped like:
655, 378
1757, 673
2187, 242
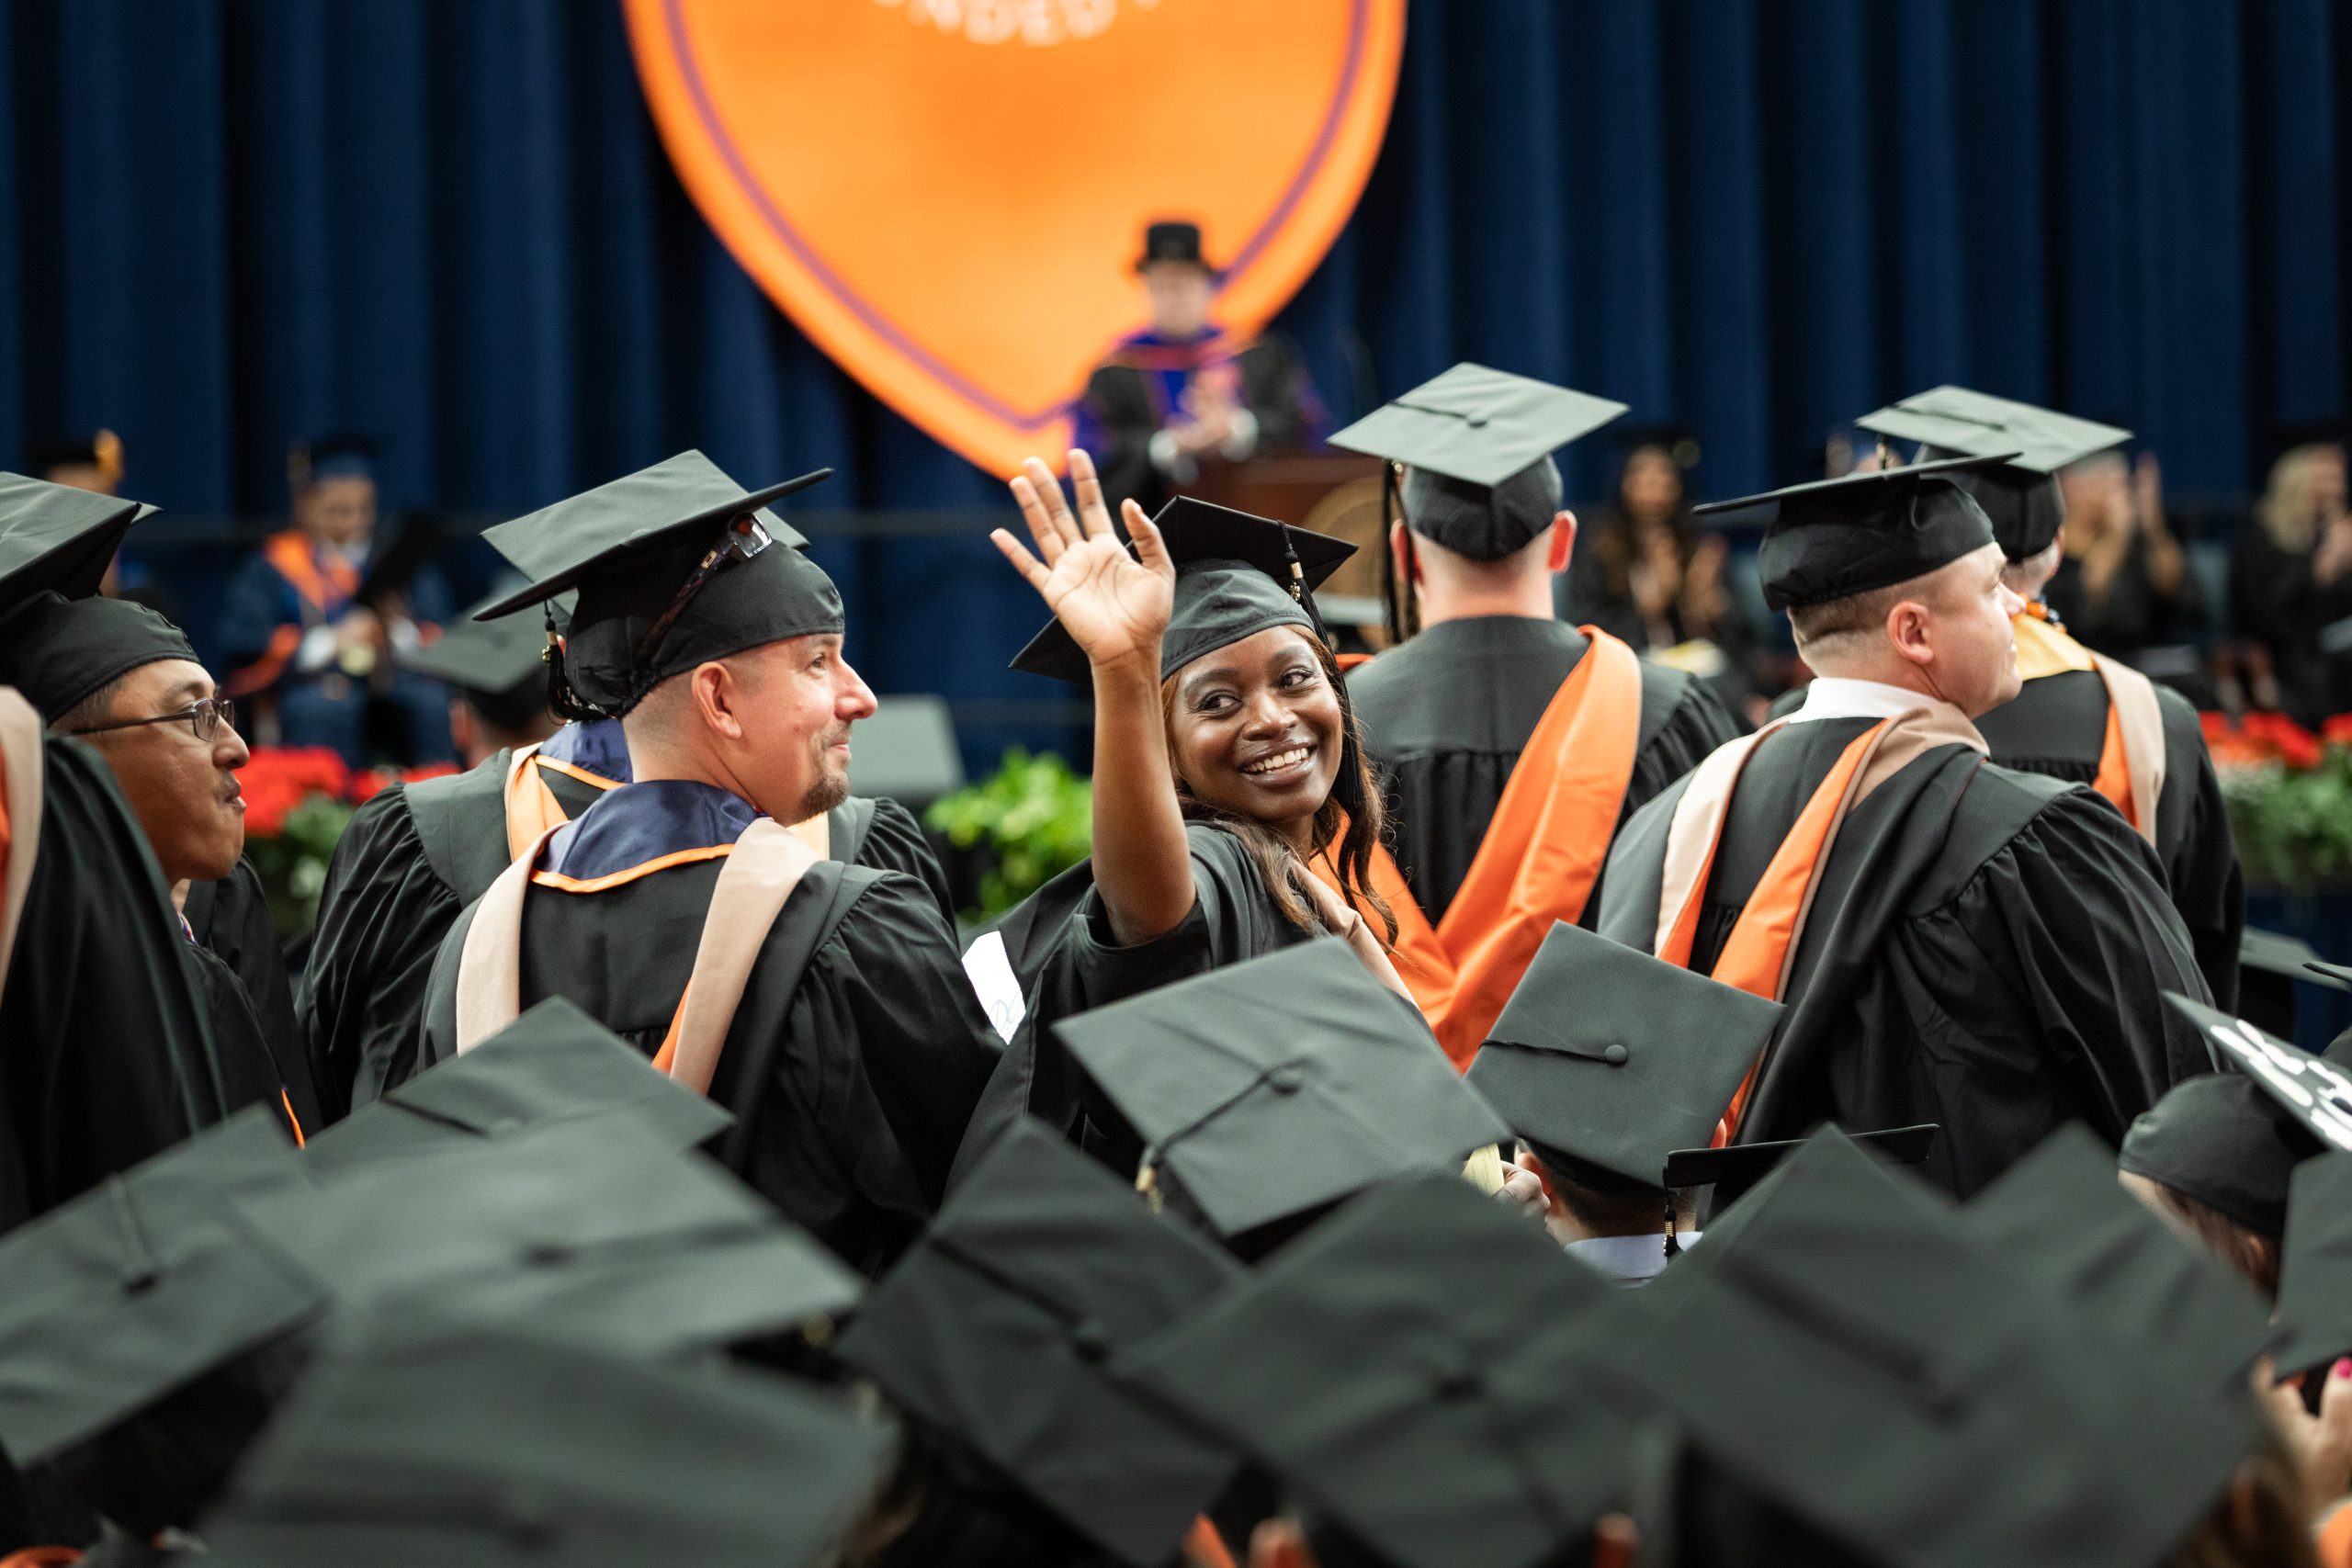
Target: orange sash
1538, 861
531, 807
2132, 755
290, 551
1762, 946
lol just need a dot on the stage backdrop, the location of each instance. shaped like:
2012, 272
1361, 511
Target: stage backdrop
225, 222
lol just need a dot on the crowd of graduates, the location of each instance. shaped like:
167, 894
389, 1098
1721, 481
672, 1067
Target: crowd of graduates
1480, 1105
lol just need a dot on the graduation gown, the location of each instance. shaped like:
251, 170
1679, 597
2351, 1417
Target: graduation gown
416, 854
110, 1055
1446, 716
1985, 950
856, 1053
230, 919
1059, 944
2057, 726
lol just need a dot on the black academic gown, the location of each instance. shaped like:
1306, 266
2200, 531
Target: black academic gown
2057, 726
1059, 944
1446, 716
856, 1053
1984, 951
416, 854
108, 1055
230, 919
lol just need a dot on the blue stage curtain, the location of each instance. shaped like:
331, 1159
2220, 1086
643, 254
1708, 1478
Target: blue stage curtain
227, 222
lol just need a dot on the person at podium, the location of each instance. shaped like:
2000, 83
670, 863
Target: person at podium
1183, 389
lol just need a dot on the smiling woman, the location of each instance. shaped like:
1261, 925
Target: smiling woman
1227, 759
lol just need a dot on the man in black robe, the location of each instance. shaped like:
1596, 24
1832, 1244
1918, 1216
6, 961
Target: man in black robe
416, 854
855, 1048
1448, 714
2059, 724
1959, 943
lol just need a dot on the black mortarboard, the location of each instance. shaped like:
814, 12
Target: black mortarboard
1743, 1165
2224, 1140
596, 1228
2021, 495
2313, 1090
55, 538
1172, 240
1615, 1059
2271, 965
997, 1329
675, 565
1834, 538
344, 453
1477, 445
2315, 1267
495, 659
555, 1064
1265, 1090
474, 1447
143, 1284
1855, 1354
2060, 1211
1236, 576
1403, 1368
57, 651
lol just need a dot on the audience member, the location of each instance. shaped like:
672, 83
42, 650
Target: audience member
2122, 583
2290, 581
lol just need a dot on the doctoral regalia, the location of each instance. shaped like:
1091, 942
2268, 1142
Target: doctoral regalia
1983, 948
856, 1054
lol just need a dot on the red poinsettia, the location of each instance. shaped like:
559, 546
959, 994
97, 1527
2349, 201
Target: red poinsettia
279, 778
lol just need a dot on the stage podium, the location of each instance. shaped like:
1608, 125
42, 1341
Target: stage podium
1335, 494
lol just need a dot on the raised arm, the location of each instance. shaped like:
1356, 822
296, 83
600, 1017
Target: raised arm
1114, 607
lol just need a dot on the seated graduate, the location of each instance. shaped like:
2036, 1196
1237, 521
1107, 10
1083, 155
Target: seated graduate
1226, 761
1510, 746
1183, 388
111, 1057
2080, 715
823, 1004
496, 672
1955, 942
416, 854
311, 623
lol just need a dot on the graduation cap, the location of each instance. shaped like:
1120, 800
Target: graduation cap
554, 1065
1477, 445
1835, 538
2061, 1213
2315, 1268
1266, 1091
2315, 1091
595, 1228
57, 539
1000, 1328
143, 1284
342, 454
1613, 1058
1172, 240
472, 1447
2021, 496
2224, 1140
677, 565
2270, 964
502, 660
1410, 1369
1236, 576
1859, 1357
58, 651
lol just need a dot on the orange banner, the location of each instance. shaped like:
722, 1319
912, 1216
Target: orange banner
948, 196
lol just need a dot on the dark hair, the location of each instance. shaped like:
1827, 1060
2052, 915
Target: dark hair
2243, 1247
1606, 1203
1355, 798
96, 708
940, 1508
510, 712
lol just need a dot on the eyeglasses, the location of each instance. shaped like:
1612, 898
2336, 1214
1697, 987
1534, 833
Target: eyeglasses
205, 717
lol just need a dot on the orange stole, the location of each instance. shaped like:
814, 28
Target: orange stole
2046, 649
1536, 866
1756, 956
